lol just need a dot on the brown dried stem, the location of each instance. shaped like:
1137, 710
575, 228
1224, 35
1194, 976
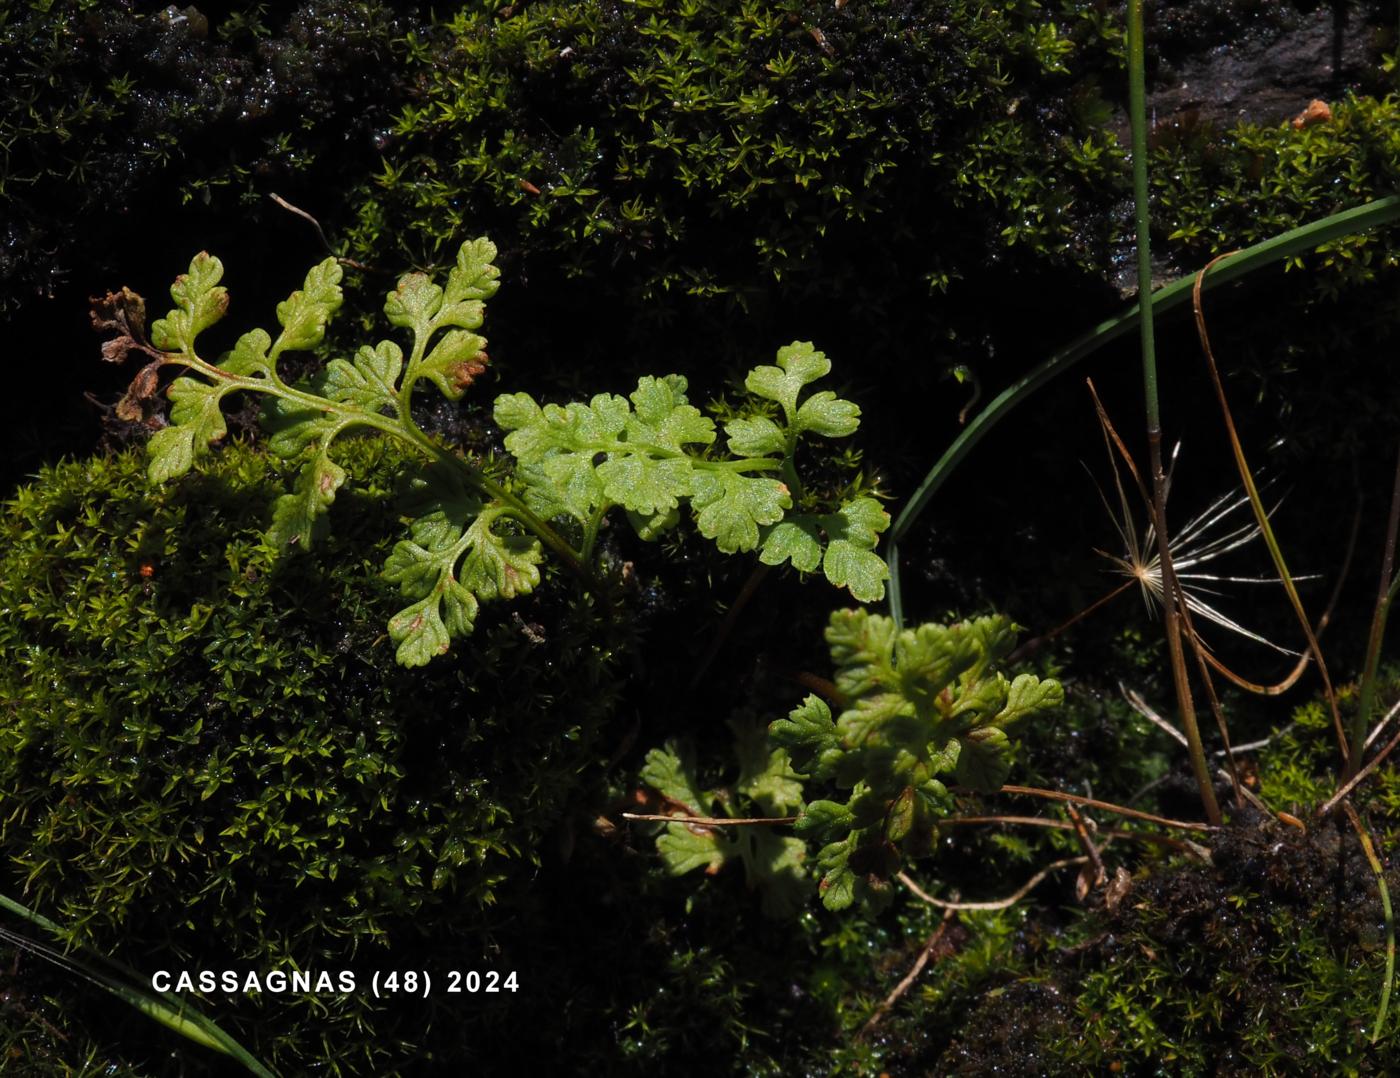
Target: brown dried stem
709, 821
996, 904
926, 953
1107, 806
1261, 515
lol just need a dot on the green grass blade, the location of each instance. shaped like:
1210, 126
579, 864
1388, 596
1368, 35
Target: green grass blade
1173, 602
1283, 246
1375, 862
165, 1007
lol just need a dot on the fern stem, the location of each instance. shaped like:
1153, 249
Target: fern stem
1184, 845
789, 466
711, 821
406, 430
483, 484
590, 533
996, 904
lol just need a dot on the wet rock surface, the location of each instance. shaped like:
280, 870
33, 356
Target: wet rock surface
1269, 72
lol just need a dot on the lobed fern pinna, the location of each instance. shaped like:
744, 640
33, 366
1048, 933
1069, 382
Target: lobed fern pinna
473, 538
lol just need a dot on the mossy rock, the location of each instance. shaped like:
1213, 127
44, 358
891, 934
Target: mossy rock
887, 176
1269, 960
1306, 342
844, 163
118, 109
136, 132
209, 756
1223, 190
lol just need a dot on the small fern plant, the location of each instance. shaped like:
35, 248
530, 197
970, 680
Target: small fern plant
471, 537
867, 785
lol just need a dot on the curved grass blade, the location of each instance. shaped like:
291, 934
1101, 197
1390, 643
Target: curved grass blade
1176, 294
1261, 516
120, 980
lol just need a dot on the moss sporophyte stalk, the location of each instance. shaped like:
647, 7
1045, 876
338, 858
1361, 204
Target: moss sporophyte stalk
471, 537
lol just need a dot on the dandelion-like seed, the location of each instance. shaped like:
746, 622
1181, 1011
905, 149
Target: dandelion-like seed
1210, 535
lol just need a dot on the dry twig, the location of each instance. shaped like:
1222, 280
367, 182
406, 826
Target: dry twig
319, 232
1352, 783
996, 904
709, 821
1108, 806
925, 954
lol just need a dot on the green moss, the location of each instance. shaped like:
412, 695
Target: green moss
734, 148
1267, 961
887, 175
1304, 344
117, 109
211, 756
1298, 768
1219, 192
